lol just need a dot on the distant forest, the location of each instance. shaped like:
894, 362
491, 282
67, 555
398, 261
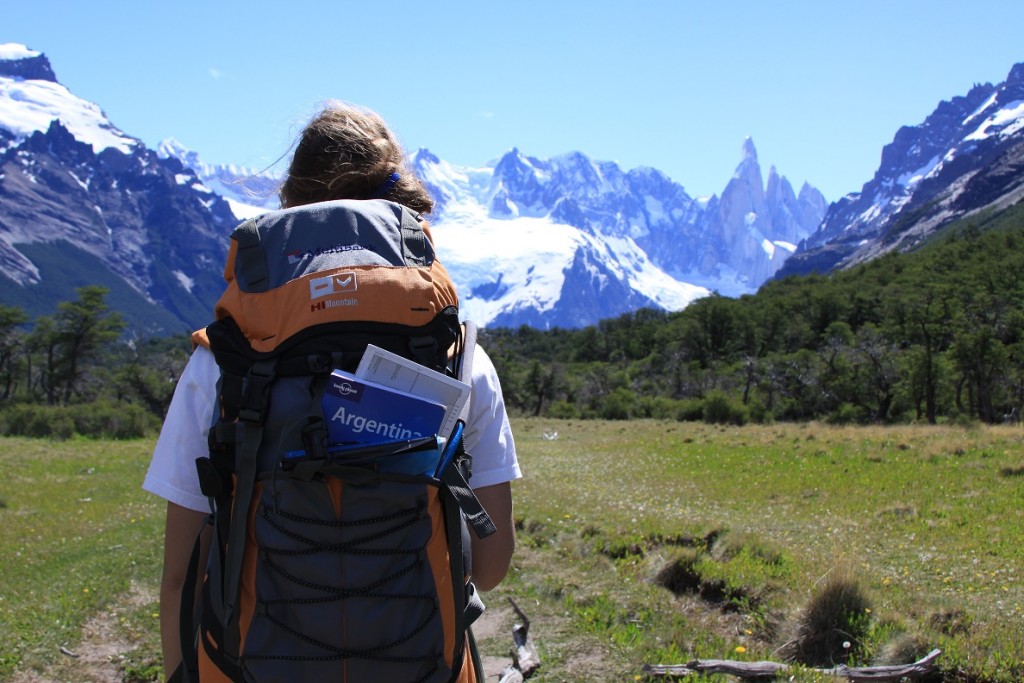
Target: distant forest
935, 334
929, 336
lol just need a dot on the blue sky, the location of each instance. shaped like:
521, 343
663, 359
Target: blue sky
819, 86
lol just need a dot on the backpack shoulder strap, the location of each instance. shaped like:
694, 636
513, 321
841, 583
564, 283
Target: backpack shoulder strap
454, 477
464, 362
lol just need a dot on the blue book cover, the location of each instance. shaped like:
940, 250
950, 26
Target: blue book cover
358, 411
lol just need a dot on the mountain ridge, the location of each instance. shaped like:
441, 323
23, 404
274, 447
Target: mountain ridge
963, 158
563, 241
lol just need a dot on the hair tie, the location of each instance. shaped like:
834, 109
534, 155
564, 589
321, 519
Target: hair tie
386, 186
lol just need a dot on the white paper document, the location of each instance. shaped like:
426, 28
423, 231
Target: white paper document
396, 372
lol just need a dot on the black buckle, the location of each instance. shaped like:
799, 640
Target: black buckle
257, 391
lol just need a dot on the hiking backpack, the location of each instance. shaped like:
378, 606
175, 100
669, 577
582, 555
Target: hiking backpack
333, 569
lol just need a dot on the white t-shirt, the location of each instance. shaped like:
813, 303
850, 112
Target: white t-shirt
183, 438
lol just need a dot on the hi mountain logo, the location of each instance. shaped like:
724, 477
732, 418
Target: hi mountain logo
338, 283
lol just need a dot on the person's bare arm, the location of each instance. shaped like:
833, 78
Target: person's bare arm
492, 555
181, 527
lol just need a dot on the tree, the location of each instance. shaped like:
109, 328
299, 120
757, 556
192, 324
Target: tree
147, 371
836, 354
925, 313
879, 369
81, 329
542, 384
41, 363
11, 338
983, 360
712, 329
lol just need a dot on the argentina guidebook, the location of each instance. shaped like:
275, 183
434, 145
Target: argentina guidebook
361, 411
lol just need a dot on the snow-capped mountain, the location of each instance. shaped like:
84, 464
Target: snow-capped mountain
565, 241
249, 192
81, 202
569, 240
32, 98
967, 156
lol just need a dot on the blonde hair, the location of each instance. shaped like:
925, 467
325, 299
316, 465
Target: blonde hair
348, 152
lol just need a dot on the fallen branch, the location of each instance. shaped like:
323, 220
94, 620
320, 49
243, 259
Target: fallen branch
754, 670
525, 659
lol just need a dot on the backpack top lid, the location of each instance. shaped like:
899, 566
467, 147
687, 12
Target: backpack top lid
344, 260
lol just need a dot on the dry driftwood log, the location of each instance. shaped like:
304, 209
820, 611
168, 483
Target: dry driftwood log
525, 659
754, 670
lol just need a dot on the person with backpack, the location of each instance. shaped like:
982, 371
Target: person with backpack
240, 410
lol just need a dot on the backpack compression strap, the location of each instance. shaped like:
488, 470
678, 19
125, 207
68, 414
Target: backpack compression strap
453, 476
251, 417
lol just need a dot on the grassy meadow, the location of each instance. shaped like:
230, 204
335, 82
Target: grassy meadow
639, 542
79, 539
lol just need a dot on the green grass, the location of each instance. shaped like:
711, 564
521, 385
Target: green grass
928, 519
76, 533
639, 542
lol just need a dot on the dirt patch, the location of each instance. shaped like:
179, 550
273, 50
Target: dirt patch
575, 659
99, 656
493, 633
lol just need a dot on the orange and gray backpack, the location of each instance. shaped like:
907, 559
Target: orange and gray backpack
334, 567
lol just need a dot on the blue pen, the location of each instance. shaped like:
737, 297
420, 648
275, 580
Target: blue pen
450, 448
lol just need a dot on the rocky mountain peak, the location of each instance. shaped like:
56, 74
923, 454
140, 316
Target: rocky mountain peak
749, 151
1016, 76
17, 61
424, 156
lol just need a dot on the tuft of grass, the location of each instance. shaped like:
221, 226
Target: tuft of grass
899, 512
833, 626
679, 574
902, 649
731, 545
950, 622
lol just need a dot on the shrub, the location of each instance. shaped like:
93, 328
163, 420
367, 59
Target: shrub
690, 410
100, 420
759, 413
720, 409
618, 405
657, 407
562, 410
846, 414
114, 420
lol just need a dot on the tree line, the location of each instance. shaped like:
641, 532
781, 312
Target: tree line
932, 335
929, 336
77, 372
